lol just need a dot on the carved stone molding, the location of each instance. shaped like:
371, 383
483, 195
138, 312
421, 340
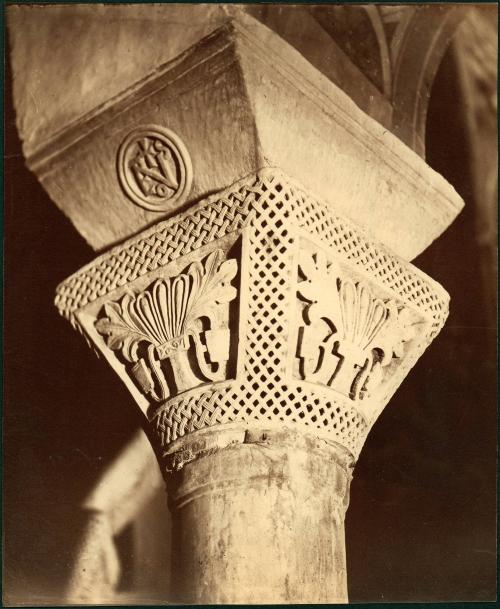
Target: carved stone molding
240, 100
258, 304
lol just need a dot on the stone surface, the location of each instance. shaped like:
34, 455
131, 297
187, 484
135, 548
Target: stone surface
420, 47
298, 25
125, 488
251, 112
263, 306
62, 77
221, 315
258, 517
80, 45
257, 331
383, 57
475, 50
263, 330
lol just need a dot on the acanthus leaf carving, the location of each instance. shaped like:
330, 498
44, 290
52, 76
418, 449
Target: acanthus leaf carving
348, 335
165, 323
120, 331
283, 221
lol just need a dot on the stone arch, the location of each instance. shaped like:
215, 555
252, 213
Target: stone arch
420, 42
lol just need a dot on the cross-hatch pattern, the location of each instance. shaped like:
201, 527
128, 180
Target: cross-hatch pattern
271, 208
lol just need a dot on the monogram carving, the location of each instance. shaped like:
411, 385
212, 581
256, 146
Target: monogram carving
348, 336
154, 167
174, 335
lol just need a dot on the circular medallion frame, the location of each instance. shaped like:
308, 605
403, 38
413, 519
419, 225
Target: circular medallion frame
154, 168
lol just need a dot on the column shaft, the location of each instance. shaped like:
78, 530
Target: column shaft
260, 520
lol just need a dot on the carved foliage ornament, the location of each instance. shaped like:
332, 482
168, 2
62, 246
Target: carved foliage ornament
175, 332
275, 209
348, 336
154, 168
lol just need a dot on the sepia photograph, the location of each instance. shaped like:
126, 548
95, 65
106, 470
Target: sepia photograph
250, 303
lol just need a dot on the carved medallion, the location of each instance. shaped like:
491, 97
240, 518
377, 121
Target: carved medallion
174, 335
154, 168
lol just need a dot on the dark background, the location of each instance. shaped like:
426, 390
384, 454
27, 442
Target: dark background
421, 522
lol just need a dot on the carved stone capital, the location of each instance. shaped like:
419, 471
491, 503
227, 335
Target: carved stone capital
257, 304
259, 330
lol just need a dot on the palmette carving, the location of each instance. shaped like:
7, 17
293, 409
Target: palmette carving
175, 323
386, 313
348, 336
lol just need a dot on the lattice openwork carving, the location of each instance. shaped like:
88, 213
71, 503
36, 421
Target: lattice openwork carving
315, 296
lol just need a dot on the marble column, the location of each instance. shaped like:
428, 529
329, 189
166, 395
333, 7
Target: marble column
265, 310
260, 307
